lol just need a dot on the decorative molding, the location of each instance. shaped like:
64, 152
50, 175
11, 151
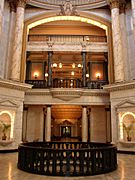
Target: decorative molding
67, 9
120, 86
82, 5
12, 5
14, 85
22, 3
114, 3
8, 103
66, 94
122, 7
125, 103
67, 46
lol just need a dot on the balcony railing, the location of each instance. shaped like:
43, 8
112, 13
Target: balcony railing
67, 38
67, 83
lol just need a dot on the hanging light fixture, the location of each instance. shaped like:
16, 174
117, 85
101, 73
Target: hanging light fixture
79, 65
73, 65
72, 73
54, 65
60, 65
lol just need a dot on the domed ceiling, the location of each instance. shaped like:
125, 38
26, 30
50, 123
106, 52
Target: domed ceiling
51, 4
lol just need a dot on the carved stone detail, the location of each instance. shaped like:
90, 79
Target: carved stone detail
122, 7
22, 3
114, 3
67, 9
12, 5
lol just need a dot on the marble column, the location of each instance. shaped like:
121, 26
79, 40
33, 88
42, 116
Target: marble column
17, 46
48, 124
84, 124
108, 124
117, 41
124, 40
11, 38
84, 69
1, 14
50, 53
133, 14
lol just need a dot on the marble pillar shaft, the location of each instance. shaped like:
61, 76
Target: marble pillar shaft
1, 14
84, 125
124, 45
84, 69
17, 47
133, 14
49, 68
48, 124
117, 46
10, 44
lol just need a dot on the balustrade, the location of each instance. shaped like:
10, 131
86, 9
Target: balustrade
67, 83
67, 158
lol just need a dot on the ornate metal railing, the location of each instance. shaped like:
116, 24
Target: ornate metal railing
67, 83
96, 84
67, 158
67, 38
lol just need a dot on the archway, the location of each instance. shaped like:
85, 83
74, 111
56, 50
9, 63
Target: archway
88, 19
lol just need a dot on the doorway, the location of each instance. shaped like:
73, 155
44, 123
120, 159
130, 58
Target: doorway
66, 131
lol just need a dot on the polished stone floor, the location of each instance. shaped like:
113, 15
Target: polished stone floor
9, 171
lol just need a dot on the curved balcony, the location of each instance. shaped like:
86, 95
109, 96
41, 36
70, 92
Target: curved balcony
67, 158
67, 83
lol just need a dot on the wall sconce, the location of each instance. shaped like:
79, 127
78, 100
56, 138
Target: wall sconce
36, 74
72, 73
73, 65
98, 75
87, 75
54, 65
46, 74
87, 38
60, 65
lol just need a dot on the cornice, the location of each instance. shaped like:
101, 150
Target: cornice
91, 5
120, 86
14, 85
67, 93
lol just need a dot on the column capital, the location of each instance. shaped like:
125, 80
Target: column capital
122, 7
21, 3
12, 5
114, 3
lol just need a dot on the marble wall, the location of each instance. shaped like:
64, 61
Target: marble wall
4, 40
34, 127
98, 132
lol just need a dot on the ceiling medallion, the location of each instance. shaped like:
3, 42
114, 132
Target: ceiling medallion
67, 9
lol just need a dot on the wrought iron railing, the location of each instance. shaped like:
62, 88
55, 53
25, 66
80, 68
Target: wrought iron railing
67, 83
67, 38
67, 158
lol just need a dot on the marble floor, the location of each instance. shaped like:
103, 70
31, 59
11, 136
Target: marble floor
9, 171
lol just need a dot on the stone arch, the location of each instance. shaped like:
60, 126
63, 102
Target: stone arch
84, 17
